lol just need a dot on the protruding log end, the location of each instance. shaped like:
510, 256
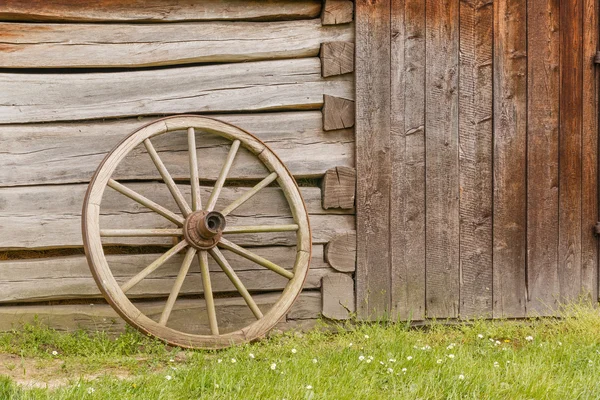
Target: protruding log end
337, 58
597, 229
339, 188
337, 12
338, 296
340, 252
338, 113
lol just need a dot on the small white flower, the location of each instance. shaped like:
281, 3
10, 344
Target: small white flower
308, 387
496, 365
168, 377
409, 358
91, 390
390, 371
529, 338
366, 336
251, 355
480, 336
54, 352
404, 370
233, 360
560, 343
497, 343
361, 358
491, 340
590, 362
369, 360
439, 361
381, 362
392, 360
273, 366
415, 347
216, 385
461, 377
508, 362
450, 355
174, 368
171, 360
219, 361
450, 347
294, 351
350, 344
314, 360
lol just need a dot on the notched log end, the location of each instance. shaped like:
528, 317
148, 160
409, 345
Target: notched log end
338, 296
340, 252
337, 58
337, 12
338, 113
339, 188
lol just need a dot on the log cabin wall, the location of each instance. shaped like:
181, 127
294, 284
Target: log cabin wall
477, 156
77, 77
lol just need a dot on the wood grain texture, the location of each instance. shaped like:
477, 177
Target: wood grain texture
510, 171
475, 158
60, 278
570, 141
34, 154
373, 159
338, 296
188, 314
442, 174
340, 252
589, 163
124, 45
339, 188
50, 216
337, 58
542, 156
338, 113
252, 86
407, 205
157, 10
337, 12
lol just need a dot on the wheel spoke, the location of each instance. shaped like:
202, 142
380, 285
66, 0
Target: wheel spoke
261, 228
183, 271
208, 294
171, 216
196, 201
181, 203
140, 232
152, 267
220, 259
246, 196
212, 200
226, 244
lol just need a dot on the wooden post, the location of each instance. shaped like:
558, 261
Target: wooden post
338, 113
337, 58
339, 188
337, 12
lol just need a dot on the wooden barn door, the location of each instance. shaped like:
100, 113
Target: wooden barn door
477, 156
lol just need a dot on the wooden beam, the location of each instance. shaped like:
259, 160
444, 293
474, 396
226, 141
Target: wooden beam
340, 252
337, 58
338, 296
158, 10
337, 12
339, 188
338, 113
127, 45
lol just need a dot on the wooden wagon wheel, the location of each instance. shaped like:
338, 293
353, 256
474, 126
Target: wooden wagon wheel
201, 231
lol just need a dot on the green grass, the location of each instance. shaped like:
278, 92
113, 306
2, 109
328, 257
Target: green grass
360, 361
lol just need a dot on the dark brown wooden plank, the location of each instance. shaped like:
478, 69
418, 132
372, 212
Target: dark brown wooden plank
476, 151
542, 148
510, 143
442, 177
157, 10
373, 166
570, 137
337, 58
407, 214
589, 164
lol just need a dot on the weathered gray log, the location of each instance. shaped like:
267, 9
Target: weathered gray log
157, 10
252, 86
126, 45
339, 188
49, 216
340, 252
337, 58
338, 113
70, 152
337, 12
188, 314
60, 278
338, 296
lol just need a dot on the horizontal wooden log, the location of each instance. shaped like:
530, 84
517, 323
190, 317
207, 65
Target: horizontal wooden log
337, 58
339, 188
338, 296
33, 154
188, 315
50, 216
157, 10
61, 278
119, 45
338, 113
340, 252
253, 86
337, 12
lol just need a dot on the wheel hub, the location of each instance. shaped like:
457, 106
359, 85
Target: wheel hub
203, 229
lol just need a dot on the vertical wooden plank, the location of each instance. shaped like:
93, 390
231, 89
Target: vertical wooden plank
475, 157
407, 215
570, 136
373, 163
589, 202
542, 156
510, 142
441, 121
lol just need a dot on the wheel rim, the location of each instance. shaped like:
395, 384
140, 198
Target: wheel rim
194, 229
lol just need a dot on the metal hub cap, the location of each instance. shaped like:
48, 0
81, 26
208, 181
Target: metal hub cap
203, 229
